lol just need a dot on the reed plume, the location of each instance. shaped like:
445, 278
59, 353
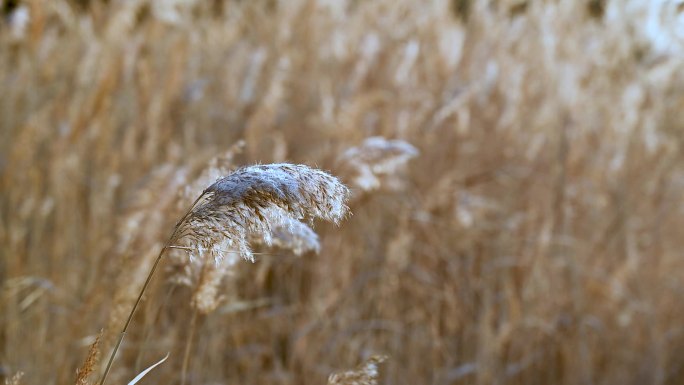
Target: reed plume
295, 236
255, 200
15, 379
206, 276
251, 200
376, 162
365, 374
88, 366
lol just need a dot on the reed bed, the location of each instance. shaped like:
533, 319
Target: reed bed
516, 175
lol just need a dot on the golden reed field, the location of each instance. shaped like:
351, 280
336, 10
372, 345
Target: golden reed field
500, 201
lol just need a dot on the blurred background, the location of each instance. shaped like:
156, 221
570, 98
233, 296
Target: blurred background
517, 212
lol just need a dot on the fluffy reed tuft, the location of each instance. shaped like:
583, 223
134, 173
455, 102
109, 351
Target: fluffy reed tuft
91, 361
364, 374
376, 162
296, 236
257, 200
206, 296
272, 216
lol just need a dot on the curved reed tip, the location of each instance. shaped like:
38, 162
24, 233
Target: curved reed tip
257, 200
290, 234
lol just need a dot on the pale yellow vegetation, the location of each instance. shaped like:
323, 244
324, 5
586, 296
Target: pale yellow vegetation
521, 226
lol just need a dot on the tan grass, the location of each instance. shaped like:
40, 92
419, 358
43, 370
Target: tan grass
535, 239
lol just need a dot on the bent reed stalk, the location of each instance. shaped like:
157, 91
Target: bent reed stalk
250, 201
166, 246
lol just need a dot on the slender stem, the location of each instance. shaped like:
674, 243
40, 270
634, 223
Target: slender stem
188, 346
181, 247
130, 316
148, 333
172, 238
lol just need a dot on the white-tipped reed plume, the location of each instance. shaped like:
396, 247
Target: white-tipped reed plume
364, 374
376, 161
200, 270
251, 200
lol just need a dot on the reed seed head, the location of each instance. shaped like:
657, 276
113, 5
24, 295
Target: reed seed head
365, 374
206, 297
376, 161
90, 363
257, 200
291, 234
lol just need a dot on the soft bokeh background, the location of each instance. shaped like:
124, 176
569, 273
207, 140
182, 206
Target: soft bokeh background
536, 239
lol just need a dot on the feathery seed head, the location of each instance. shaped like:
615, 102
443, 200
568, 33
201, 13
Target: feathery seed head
255, 200
206, 297
90, 363
297, 237
289, 233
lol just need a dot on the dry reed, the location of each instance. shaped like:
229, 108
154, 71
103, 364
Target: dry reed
89, 366
535, 239
250, 200
15, 379
376, 162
